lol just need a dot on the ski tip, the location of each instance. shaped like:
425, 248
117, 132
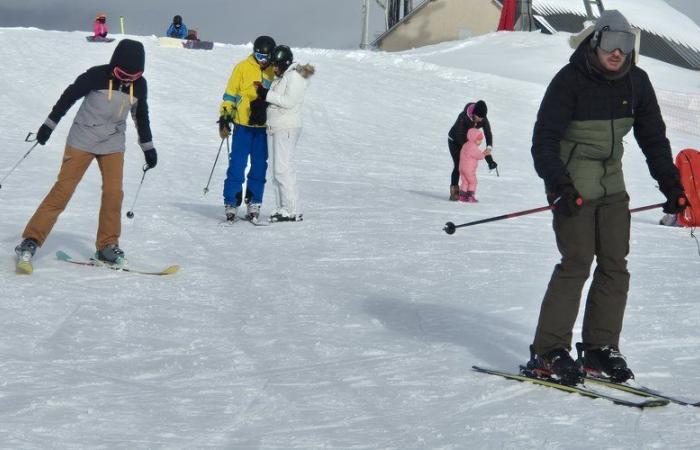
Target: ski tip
24, 268
654, 403
171, 270
63, 256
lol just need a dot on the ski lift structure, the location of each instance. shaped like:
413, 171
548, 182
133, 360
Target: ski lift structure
434, 21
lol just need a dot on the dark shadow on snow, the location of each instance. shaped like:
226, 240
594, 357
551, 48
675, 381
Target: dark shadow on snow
492, 341
208, 211
433, 195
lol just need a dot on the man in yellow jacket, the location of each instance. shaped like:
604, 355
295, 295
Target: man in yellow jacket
242, 107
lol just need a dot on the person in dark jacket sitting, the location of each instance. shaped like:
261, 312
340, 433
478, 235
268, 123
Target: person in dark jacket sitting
472, 116
577, 147
109, 93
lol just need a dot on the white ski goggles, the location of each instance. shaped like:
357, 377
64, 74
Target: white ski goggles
616, 40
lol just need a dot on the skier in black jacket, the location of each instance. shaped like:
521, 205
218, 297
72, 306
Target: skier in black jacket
472, 116
109, 92
577, 148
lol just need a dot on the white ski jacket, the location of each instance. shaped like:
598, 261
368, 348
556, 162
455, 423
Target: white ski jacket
285, 98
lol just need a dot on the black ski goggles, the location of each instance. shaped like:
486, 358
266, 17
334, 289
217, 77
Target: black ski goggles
617, 40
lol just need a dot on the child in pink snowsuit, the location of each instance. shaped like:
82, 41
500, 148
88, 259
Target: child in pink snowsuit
469, 158
99, 28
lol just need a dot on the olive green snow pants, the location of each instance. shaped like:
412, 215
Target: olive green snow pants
601, 229
75, 163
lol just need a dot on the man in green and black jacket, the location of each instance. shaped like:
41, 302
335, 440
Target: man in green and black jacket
589, 106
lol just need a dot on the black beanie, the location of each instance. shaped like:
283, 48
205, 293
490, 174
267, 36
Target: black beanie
480, 109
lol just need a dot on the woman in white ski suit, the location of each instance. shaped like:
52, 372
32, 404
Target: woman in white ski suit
284, 122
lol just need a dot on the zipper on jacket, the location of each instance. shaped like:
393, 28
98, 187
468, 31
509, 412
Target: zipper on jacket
571, 155
612, 143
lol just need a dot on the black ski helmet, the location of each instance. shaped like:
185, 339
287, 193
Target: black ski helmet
177, 20
264, 45
282, 57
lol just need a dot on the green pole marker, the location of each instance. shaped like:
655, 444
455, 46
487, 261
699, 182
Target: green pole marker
121, 23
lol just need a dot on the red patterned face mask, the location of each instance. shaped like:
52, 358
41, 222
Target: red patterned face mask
125, 76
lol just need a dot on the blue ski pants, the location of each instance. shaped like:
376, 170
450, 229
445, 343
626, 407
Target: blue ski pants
246, 142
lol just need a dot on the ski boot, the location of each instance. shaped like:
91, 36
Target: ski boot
283, 218
557, 365
253, 212
463, 196
282, 215
231, 213
604, 362
111, 255
25, 252
471, 198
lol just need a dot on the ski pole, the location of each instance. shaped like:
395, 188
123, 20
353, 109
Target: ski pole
451, 227
27, 139
206, 188
130, 213
645, 208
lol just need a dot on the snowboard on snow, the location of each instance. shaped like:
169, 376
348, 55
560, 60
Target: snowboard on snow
198, 45
98, 39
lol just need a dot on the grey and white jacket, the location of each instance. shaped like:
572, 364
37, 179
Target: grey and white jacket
100, 124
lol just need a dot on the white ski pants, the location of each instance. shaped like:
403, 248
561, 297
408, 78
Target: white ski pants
281, 145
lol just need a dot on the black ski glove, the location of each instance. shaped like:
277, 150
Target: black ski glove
262, 92
565, 199
676, 201
43, 134
151, 158
258, 112
224, 127
491, 163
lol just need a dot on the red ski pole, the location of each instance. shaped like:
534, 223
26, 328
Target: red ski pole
451, 227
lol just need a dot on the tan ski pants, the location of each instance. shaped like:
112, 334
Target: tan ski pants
75, 163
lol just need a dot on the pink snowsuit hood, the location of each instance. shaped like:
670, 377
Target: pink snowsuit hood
474, 134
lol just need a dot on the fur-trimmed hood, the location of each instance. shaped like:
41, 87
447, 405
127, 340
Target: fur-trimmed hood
306, 70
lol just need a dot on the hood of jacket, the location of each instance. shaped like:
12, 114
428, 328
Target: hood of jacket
129, 56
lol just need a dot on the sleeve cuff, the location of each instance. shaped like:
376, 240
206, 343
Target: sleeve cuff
50, 123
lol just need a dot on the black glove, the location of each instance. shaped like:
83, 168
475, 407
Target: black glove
491, 163
258, 112
676, 201
224, 127
151, 158
565, 199
262, 92
43, 134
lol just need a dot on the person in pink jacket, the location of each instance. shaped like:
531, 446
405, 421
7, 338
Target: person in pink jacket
469, 158
99, 28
